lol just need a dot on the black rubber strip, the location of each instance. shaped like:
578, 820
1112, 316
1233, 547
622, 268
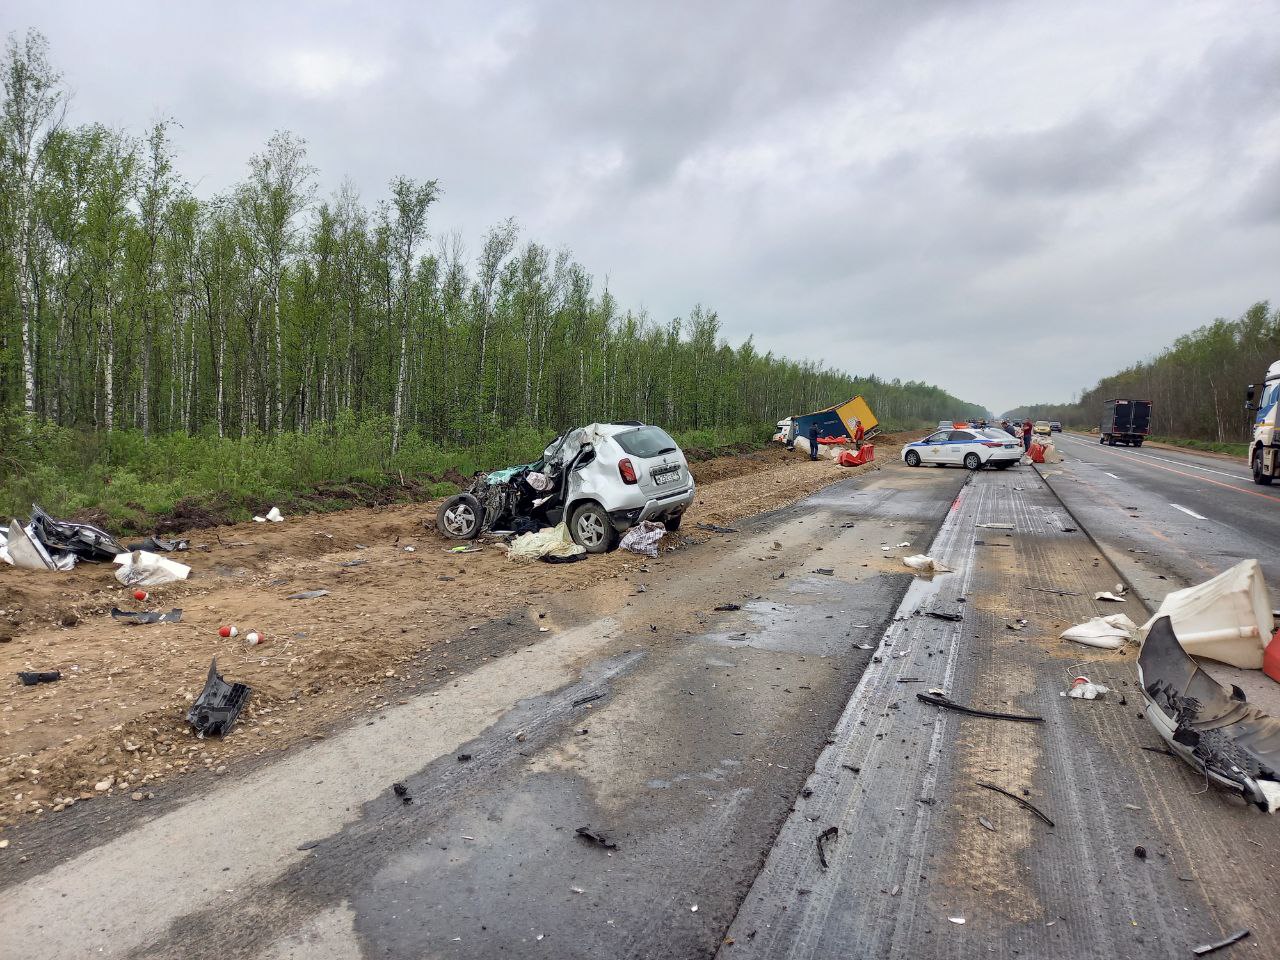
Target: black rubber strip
952, 705
1206, 948
1019, 800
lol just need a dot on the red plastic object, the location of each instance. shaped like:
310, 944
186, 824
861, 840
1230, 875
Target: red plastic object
1271, 658
832, 441
1037, 453
865, 455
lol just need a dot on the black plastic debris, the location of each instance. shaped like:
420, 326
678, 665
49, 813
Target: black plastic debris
828, 834
572, 558
1020, 801
308, 595
160, 545
1206, 948
1212, 728
30, 678
825, 571
219, 704
715, 528
401, 791
147, 616
940, 615
581, 701
1140, 852
85, 541
949, 704
729, 607
599, 839
464, 757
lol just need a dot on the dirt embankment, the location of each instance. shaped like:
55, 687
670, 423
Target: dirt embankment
399, 603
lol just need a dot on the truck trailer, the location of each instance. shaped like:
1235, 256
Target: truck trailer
1125, 421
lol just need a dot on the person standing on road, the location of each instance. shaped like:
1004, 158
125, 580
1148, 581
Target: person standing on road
1026, 436
813, 440
857, 435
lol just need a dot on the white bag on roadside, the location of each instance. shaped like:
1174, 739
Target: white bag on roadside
144, 569
643, 538
1108, 633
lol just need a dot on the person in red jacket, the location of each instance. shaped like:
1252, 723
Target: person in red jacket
857, 435
1026, 436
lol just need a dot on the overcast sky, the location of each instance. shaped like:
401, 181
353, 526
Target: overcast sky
1009, 199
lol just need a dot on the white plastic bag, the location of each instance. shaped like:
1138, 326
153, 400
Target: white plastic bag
1108, 633
274, 515
144, 569
921, 563
1082, 688
643, 538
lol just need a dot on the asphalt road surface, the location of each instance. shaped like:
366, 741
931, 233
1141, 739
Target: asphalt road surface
715, 748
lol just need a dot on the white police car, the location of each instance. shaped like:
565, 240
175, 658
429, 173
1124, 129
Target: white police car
971, 448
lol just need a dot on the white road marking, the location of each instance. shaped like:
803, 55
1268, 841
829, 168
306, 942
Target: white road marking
1190, 513
1111, 475
1178, 463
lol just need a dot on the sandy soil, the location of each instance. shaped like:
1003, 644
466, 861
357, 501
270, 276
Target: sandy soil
115, 722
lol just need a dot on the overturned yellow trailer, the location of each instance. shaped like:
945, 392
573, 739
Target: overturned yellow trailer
840, 420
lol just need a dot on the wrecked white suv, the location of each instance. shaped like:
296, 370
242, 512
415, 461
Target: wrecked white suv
600, 480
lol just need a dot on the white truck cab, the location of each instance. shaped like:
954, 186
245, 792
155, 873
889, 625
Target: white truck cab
1264, 448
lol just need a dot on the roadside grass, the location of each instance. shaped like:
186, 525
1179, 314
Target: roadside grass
131, 484
1240, 450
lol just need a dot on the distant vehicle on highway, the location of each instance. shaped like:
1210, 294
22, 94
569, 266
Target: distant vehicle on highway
1264, 448
971, 448
1055, 426
1042, 427
1125, 421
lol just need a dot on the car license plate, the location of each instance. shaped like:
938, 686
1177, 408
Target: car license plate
666, 475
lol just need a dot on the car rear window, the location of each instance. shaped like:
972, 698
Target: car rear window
996, 434
646, 442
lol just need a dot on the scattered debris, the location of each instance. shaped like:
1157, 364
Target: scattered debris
1212, 728
643, 538
589, 835
828, 834
273, 515
464, 548
728, 607
1082, 688
987, 823
941, 700
219, 704
30, 678
925, 564
996, 526
1207, 948
464, 757
957, 920
1022, 802
825, 571
939, 615
1056, 593
1108, 595
715, 528
143, 569
541, 544
1140, 852
587, 699
147, 616
1109, 633
401, 791
308, 595
1227, 618
228, 631
1017, 625
161, 545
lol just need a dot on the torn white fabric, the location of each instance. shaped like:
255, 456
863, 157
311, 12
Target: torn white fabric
643, 538
1108, 595
1108, 633
552, 542
539, 481
1227, 618
273, 515
144, 569
1082, 688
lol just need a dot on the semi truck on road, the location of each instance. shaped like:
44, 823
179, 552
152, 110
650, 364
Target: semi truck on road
1264, 447
1125, 421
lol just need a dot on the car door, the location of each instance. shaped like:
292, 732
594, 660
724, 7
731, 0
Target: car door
933, 449
959, 443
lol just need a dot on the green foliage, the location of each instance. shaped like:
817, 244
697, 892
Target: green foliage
1196, 386
1240, 450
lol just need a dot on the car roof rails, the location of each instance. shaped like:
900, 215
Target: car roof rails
628, 423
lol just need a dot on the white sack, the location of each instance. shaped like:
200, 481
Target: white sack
274, 515
643, 538
1227, 618
1109, 633
552, 542
925, 564
802, 444
144, 569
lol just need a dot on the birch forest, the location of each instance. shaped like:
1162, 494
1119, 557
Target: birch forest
129, 303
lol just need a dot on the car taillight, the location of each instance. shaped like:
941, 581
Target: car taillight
993, 443
627, 470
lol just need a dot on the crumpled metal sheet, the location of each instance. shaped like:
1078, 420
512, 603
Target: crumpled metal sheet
81, 539
1211, 727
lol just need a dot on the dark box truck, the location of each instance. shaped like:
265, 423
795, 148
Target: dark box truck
1125, 421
